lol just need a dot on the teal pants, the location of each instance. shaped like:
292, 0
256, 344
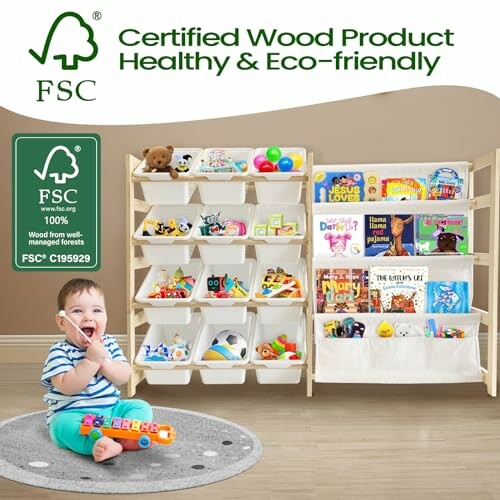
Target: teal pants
64, 428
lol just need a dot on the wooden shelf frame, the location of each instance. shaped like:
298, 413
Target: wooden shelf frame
135, 315
490, 201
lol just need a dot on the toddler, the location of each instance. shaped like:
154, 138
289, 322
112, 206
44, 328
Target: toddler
81, 376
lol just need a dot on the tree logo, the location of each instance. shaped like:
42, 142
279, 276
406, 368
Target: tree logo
60, 162
70, 39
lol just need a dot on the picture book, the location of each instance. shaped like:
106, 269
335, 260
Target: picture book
338, 235
404, 188
446, 184
442, 234
398, 289
341, 290
448, 297
331, 187
389, 235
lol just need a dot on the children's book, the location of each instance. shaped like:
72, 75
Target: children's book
332, 187
404, 188
338, 235
341, 290
446, 184
389, 235
442, 235
448, 297
398, 289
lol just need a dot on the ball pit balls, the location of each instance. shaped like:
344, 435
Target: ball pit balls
297, 160
285, 164
267, 166
258, 160
273, 154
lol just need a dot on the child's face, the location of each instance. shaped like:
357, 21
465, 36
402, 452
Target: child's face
87, 310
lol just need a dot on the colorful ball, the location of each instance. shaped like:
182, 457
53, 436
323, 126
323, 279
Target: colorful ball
236, 342
285, 164
297, 160
258, 160
267, 166
220, 352
273, 154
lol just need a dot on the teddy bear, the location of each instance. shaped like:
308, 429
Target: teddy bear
158, 160
266, 351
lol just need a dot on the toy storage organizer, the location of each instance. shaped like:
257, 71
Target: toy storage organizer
372, 359
198, 318
416, 358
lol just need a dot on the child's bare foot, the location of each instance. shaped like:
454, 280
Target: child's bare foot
105, 448
131, 444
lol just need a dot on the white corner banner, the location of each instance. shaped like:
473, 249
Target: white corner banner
124, 62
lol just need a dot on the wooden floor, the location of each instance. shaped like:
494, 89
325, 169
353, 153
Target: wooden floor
348, 441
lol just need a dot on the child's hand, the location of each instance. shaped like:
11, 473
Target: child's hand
96, 352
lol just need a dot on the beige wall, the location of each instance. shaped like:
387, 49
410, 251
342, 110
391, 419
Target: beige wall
417, 125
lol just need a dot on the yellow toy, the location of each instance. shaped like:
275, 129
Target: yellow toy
385, 329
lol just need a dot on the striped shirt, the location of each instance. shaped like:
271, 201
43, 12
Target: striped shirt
99, 393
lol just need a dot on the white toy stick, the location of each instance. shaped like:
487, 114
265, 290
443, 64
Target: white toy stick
63, 315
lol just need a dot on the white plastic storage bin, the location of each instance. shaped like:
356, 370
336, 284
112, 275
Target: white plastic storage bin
222, 192
221, 308
407, 360
156, 255
166, 313
220, 250
184, 159
163, 214
223, 372
296, 269
283, 214
165, 372
280, 175
279, 371
278, 253
279, 191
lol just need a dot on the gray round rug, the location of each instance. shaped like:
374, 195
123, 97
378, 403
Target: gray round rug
207, 449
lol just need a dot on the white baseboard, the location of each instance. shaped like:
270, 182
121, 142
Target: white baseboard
34, 348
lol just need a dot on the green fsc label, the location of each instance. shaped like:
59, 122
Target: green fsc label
56, 210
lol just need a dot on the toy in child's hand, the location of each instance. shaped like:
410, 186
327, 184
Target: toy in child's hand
385, 329
158, 159
145, 433
62, 314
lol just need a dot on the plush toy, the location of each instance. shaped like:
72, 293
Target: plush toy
405, 330
158, 159
385, 329
266, 351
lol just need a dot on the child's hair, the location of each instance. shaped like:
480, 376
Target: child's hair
77, 285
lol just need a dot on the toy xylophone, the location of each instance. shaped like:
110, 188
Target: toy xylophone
97, 426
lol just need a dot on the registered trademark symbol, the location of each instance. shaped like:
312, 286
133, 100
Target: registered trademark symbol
78, 149
96, 15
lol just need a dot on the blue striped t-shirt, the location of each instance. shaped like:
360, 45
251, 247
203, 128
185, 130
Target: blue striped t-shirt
99, 393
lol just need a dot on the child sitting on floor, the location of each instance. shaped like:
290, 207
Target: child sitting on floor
82, 376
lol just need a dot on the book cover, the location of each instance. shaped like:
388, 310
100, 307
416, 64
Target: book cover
446, 184
404, 188
442, 234
448, 297
338, 235
334, 187
398, 289
389, 235
341, 290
